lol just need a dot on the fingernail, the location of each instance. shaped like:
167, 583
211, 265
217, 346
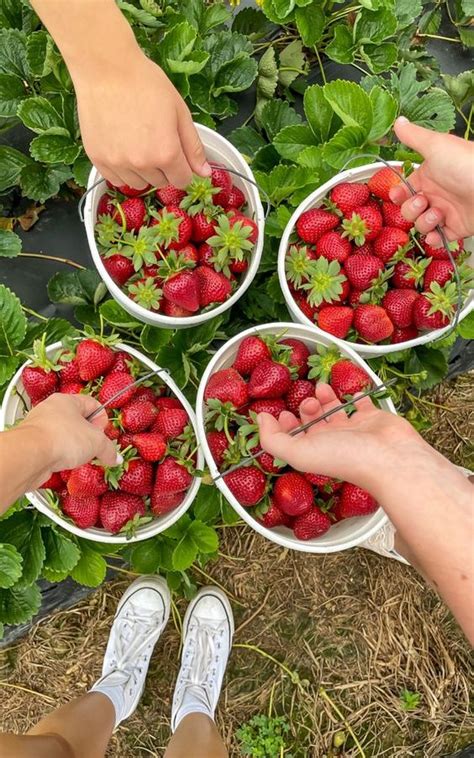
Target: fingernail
419, 202
402, 120
259, 418
119, 459
206, 169
308, 403
431, 217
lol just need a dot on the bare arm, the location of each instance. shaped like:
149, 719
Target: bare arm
135, 126
430, 502
54, 436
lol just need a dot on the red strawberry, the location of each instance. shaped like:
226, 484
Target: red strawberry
163, 502
214, 286
383, 180
167, 402
54, 482
137, 479
93, 359
174, 227
173, 310
440, 271
114, 383
66, 474
170, 195
308, 310
372, 322
189, 253
246, 222
70, 369
182, 289
152, 271
274, 406
343, 296
151, 446
133, 210
205, 253
84, 511
119, 268
171, 423
218, 445
335, 319
299, 355
366, 249
267, 463
145, 393
355, 501
203, 227
274, 516
220, 178
125, 440
71, 388
117, 509
334, 247
111, 431
235, 198
347, 378
361, 270
86, 480
238, 267
125, 189
389, 241
363, 225
138, 415
404, 276
227, 386
423, 318
300, 389
322, 482
312, 224
349, 195
39, 383
269, 379
251, 351
122, 363
247, 484
399, 305
312, 524
293, 494
105, 206
439, 253
172, 476
354, 297
403, 335
392, 216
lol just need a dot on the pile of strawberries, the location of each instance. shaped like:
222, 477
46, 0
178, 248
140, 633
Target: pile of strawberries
177, 252
151, 429
270, 374
357, 268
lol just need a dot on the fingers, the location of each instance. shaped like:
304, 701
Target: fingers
86, 405
106, 452
192, 145
429, 220
413, 207
422, 140
272, 438
287, 421
155, 177
434, 239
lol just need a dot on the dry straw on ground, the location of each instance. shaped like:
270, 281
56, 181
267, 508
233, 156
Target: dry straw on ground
330, 641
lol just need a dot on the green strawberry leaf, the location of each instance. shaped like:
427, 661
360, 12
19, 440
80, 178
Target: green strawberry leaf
310, 22
341, 46
19, 604
292, 63
10, 244
12, 94
292, 140
12, 321
466, 327
147, 556
22, 530
62, 554
351, 103
91, 567
54, 146
10, 565
185, 553
374, 26
115, 315
318, 111
11, 164
275, 115
39, 115
342, 150
384, 108
40, 182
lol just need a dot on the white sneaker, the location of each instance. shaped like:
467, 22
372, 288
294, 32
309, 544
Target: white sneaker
208, 628
383, 543
141, 616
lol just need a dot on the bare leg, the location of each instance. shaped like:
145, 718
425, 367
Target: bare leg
196, 736
80, 729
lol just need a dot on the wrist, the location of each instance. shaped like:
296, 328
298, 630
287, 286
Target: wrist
33, 448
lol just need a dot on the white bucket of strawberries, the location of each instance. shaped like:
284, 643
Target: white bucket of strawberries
154, 428
176, 258
271, 368
351, 266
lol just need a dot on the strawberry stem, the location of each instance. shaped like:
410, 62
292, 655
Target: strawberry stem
54, 258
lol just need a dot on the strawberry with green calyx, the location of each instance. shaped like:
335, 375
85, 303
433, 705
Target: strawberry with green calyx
170, 195
434, 308
269, 379
334, 247
399, 304
119, 268
230, 242
325, 282
293, 494
270, 515
41, 378
138, 415
442, 272
298, 265
298, 355
172, 476
356, 501
274, 406
105, 206
347, 196
227, 386
204, 225
95, 355
321, 362
248, 485
221, 178
171, 423
251, 351
336, 319
146, 292
173, 227
182, 290
347, 379
439, 253
310, 525
87, 480
130, 214
221, 414
200, 195
364, 224
362, 270
390, 241
392, 216
83, 511
114, 383
409, 273
378, 287
214, 286
137, 478
234, 199
236, 217
69, 368
119, 510
151, 446
383, 180
306, 309
372, 323
300, 390
312, 224
142, 248
218, 445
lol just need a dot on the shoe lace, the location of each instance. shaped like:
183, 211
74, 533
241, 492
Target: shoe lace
201, 660
135, 636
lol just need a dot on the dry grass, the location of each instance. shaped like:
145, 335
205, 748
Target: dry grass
361, 627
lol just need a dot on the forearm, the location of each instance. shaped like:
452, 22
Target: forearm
24, 464
431, 505
92, 35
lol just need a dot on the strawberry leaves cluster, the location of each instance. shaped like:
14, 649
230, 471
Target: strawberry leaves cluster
274, 374
359, 270
177, 252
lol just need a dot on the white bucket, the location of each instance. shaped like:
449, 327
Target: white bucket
12, 410
342, 535
218, 150
361, 174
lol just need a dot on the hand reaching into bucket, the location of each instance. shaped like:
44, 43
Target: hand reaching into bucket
135, 126
444, 183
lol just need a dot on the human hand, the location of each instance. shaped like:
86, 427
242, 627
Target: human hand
136, 128
365, 448
65, 437
444, 183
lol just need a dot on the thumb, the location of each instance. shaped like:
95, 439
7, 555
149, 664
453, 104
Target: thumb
106, 451
422, 140
192, 146
272, 439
